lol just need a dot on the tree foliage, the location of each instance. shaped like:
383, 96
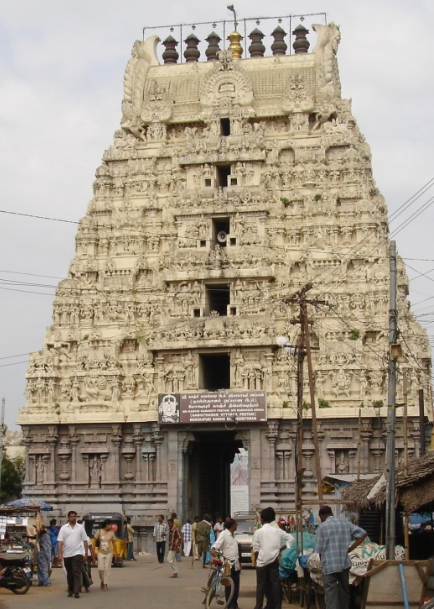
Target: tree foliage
12, 475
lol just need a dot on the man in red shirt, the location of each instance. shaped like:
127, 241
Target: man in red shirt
174, 545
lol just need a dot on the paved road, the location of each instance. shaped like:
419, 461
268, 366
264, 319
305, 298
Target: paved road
144, 584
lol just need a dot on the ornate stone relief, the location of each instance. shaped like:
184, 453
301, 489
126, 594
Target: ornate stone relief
271, 151
227, 85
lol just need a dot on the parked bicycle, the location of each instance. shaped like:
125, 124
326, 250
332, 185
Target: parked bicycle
220, 587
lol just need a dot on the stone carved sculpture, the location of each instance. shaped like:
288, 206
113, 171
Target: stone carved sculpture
342, 464
143, 56
296, 98
227, 85
134, 317
328, 88
95, 469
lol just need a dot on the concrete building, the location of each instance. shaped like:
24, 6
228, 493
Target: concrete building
231, 184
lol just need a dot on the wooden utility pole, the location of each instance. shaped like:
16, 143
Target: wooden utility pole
306, 349
299, 448
305, 322
405, 431
359, 443
2, 422
391, 412
422, 423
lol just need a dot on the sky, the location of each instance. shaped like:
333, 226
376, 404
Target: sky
61, 84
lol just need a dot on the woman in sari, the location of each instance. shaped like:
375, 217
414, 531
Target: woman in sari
44, 558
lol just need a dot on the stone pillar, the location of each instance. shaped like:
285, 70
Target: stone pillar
64, 455
351, 456
27, 443
287, 464
129, 475
308, 452
32, 469
104, 468
151, 467
377, 449
332, 457
51, 461
116, 441
293, 436
364, 457
137, 439
48, 466
159, 371
173, 481
255, 467
74, 441
280, 465
272, 438
86, 469
158, 440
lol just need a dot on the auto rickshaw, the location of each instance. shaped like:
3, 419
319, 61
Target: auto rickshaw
92, 523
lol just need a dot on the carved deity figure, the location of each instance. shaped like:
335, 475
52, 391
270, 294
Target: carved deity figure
342, 465
39, 471
300, 122
115, 390
341, 383
95, 469
238, 367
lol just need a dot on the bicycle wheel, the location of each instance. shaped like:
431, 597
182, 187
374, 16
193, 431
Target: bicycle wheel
219, 601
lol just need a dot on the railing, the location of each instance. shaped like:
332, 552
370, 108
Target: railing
224, 27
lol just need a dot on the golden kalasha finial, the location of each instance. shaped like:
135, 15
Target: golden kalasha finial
235, 46
235, 38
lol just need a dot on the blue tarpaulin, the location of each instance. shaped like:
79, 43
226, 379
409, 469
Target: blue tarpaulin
289, 556
29, 502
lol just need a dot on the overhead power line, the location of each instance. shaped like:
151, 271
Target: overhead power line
17, 213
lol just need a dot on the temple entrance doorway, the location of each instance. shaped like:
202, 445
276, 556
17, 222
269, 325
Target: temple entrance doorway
209, 473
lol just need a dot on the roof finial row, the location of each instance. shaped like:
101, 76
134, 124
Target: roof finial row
256, 48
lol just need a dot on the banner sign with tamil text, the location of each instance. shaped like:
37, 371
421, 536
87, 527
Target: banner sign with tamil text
212, 407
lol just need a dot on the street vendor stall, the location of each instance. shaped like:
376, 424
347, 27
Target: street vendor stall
414, 493
20, 522
414, 505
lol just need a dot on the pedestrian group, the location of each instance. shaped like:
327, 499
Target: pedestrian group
204, 540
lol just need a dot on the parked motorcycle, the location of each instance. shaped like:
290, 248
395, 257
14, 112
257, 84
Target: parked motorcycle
15, 570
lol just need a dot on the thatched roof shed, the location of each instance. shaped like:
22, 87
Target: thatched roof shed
414, 489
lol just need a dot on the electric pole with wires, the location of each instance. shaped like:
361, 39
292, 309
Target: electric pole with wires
305, 349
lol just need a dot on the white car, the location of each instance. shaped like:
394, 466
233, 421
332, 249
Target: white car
244, 536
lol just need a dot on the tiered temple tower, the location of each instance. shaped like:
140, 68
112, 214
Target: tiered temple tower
231, 184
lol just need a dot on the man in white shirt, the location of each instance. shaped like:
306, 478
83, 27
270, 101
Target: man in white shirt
268, 542
228, 546
71, 539
218, 527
